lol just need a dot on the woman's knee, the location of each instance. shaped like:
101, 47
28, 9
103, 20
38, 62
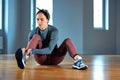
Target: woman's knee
36, 36
67, 40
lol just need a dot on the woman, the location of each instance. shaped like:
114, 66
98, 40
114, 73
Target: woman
43, 45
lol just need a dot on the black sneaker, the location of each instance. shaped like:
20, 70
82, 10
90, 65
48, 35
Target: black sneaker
21, 58
78, 64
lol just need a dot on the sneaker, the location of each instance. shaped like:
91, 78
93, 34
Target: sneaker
78, 64
20, 58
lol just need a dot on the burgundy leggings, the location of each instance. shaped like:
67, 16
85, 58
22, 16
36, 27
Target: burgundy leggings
54, 58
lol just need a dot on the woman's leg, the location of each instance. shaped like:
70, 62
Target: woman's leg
67, 45
33, 43
59, 55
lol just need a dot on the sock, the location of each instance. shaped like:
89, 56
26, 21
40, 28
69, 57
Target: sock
77, 57
27, 57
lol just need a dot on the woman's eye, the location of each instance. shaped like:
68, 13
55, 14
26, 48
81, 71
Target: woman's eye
37, 19
42, 20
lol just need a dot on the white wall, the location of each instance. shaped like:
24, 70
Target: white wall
87, 40
17, 24
118, 27
68, 17
99, 41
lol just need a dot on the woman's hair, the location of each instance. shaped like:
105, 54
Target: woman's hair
45, 12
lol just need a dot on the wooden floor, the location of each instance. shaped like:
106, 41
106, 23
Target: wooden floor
101, 67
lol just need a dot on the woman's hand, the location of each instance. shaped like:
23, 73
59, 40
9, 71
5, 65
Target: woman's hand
28, 52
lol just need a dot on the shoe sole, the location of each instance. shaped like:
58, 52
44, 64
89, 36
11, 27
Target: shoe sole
18, 56
82, 68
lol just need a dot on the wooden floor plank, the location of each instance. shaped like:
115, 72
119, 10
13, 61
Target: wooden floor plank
101, 67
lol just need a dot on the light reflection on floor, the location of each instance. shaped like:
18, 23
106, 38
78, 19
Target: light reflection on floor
98, 71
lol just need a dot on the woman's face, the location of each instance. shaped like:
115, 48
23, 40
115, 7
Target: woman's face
42, 21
